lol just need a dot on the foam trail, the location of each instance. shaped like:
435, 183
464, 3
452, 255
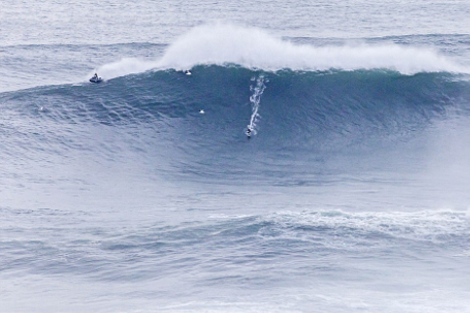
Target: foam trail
254, 48
123, 67
255, 99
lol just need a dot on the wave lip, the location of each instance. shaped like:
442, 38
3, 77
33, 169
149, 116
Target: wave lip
253, 48
220, 44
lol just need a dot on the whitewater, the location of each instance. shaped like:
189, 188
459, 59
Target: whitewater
144, 194
221, 44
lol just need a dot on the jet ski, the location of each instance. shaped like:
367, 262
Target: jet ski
95, 79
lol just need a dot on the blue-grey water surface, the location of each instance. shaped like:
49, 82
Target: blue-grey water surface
143, 193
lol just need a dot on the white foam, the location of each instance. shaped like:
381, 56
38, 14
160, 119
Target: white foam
124, 67
221, 44
254, 48
434, 226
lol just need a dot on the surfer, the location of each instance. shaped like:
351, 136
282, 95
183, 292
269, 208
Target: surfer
248, 132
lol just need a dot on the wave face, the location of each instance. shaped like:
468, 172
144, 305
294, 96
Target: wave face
308, 123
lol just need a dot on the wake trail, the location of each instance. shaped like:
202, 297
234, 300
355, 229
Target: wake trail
255, 99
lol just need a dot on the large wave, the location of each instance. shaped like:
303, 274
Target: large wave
361, 128
315, 116
289, 110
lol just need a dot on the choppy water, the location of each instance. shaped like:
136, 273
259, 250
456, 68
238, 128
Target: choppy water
143, 193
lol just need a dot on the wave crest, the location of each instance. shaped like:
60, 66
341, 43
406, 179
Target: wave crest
220, 44
253, 48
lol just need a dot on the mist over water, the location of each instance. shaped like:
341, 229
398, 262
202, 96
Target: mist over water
144, 194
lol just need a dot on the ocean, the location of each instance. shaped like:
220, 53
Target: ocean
143, 193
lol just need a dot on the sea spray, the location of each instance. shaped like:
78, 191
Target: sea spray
254, 48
